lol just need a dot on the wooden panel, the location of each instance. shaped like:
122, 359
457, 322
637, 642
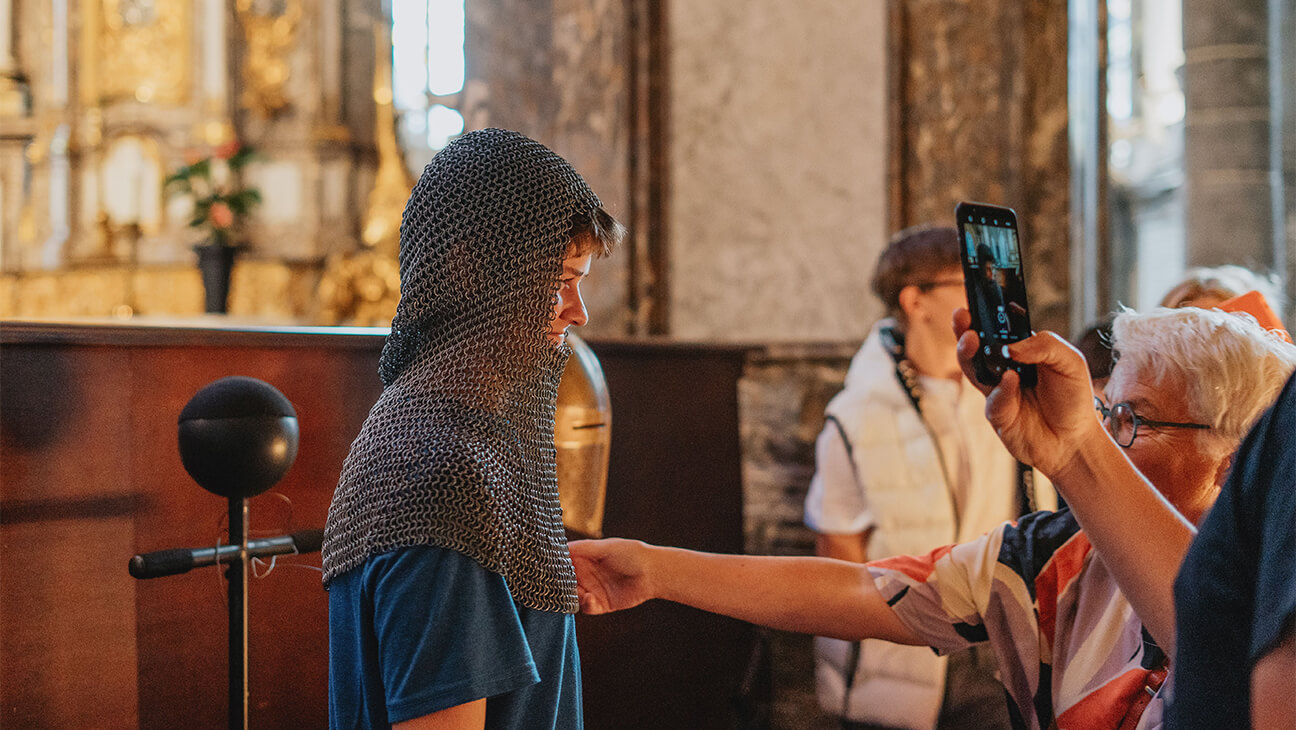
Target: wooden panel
91, 475
288, 674
67, 607
674, 479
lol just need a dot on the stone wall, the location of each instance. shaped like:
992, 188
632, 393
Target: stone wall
979, 112
781, 398
1232, 168
777, 159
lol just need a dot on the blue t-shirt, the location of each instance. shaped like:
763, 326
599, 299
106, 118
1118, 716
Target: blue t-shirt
1236, 590
422, 629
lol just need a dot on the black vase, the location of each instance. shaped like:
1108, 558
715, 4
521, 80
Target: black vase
215, 262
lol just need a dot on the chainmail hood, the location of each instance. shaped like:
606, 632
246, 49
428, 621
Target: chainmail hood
458, 452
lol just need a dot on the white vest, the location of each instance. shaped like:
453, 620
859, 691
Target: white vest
896, 456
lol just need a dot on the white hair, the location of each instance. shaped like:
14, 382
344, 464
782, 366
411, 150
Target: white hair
1225, 282
1231, 367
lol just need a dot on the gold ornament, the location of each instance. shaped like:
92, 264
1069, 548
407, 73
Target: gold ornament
270, 37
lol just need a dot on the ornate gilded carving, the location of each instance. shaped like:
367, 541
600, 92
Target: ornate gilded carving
269, 33
362, 288
143, 50
392, 182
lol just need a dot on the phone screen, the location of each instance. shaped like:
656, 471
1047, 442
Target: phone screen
995, 283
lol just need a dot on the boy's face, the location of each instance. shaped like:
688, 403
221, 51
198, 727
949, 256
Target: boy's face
569, 308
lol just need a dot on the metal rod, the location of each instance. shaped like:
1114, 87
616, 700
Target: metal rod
238, 615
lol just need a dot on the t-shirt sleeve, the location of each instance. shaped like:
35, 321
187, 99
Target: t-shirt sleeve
448, 632
943, 596
836, 503
1268, 491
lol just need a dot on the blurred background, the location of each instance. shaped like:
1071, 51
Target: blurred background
760, 152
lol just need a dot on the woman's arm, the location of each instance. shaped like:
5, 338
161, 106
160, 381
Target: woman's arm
816, 596
468, 716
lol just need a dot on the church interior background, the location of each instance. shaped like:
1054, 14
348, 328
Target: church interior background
759, 151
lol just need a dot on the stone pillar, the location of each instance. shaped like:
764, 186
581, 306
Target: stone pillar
556, 71
979, 112
776, 136
1233, 184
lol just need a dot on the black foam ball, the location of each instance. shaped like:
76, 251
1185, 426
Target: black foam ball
238, 436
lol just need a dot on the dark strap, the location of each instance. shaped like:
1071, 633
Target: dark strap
841, 431
852, 666
893, 343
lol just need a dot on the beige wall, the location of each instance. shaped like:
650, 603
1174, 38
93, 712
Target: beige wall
776, 203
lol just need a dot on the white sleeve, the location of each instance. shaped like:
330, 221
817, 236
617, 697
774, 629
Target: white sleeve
836, 503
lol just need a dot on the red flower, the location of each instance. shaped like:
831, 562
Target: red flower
227, 150
220, 215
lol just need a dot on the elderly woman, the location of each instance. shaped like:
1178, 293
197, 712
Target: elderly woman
1234, 597
1072, 650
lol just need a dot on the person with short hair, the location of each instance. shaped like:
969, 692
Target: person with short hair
451, 591
906, 462
1208, 286
1079, 642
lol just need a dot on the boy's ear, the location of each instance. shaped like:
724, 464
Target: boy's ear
908, 300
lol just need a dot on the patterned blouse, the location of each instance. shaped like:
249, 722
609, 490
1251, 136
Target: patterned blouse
1072, 654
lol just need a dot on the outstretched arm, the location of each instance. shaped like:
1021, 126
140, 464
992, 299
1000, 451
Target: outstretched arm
1141, 537
816, 596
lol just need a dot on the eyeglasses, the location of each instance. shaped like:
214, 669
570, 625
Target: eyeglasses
929, 285
1123, 423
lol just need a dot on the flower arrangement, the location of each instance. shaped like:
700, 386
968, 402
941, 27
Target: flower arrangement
220, 201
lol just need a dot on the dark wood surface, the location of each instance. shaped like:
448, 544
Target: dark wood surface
90, 475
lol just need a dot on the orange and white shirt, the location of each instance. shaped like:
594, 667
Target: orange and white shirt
1072, 654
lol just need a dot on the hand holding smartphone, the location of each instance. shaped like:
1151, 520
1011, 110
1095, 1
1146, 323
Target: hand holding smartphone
996, 287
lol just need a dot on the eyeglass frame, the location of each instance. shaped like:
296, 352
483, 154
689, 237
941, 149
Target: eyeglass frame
1136, 420
927, 286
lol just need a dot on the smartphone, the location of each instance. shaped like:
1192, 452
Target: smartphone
996, 287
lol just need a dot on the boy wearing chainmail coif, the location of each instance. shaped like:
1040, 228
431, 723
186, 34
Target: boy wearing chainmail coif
451, 591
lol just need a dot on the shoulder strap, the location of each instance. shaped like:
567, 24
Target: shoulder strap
893, 342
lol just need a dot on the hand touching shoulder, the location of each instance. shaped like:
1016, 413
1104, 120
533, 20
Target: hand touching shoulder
611, 575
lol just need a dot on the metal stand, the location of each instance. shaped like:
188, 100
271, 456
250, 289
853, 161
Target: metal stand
237, 576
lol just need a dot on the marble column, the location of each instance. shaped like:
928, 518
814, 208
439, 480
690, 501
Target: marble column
979, 112
1233, 183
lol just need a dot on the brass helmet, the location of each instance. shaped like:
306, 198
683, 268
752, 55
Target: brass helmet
583, 437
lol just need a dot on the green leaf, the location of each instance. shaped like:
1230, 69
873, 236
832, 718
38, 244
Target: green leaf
178, 183
243, 201
241, 158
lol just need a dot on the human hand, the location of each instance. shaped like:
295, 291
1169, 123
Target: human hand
611, 574
1047, 425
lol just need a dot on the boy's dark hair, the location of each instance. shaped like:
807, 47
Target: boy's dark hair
597, 233
1095, 343
914, 257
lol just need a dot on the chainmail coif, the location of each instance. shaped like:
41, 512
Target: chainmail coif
458, 452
